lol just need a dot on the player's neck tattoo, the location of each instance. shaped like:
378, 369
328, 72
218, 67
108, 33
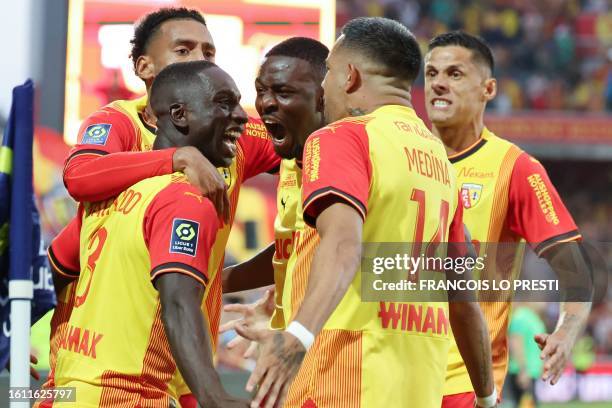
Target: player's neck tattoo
356, 112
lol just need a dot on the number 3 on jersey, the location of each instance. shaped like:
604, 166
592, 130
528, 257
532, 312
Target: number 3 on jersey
96, 241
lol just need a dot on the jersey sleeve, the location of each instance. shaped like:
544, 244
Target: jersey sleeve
259, 154
336, 168
105, 131
63, 252
96, 170
180, 227
535, 210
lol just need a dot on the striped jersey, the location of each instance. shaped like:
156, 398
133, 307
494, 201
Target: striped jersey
115, 127
118, 127
507, 198
288, 217
384, 166
115, 351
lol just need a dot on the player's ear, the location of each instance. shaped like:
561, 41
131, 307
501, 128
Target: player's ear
490, 89
353, 79
145, 69
178, 115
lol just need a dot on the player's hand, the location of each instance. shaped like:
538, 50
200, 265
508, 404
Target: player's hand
204, 176
556, 351
253, 325
280, 360
33, 372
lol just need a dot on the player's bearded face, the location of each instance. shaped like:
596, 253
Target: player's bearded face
454, 86
179, 40
287, 101
216, 123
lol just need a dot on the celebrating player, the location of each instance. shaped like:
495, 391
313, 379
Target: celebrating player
137, 319
506, 195
290, 103
113, 154
360, 186
113, 151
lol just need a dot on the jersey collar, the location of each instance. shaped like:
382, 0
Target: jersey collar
473, 148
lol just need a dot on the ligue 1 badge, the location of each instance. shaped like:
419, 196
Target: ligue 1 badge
470, 194
184, 237
96, 134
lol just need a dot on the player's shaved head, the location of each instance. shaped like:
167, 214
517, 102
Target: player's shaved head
307, 49
384, 42
198, 104
180, 83
481, 53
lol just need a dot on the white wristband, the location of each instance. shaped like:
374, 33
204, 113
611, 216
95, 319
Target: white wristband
487, 402
301, 333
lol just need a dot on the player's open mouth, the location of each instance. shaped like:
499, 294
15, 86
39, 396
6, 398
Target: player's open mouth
276, 130
230, 138
440, 103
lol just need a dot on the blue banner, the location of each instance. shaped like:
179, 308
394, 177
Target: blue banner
22, 254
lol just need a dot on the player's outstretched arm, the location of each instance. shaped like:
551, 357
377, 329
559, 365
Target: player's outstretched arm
187, 333
253, 273
333, 268
557, 242
573, 268
472, 337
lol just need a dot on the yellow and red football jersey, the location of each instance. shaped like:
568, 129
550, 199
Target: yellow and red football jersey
507, 199
288, 218
114, 350
395, 174
118, 127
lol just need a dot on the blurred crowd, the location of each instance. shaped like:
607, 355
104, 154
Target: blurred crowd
550, 54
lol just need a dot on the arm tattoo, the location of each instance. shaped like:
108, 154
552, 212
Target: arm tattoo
294, 359
570, 321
